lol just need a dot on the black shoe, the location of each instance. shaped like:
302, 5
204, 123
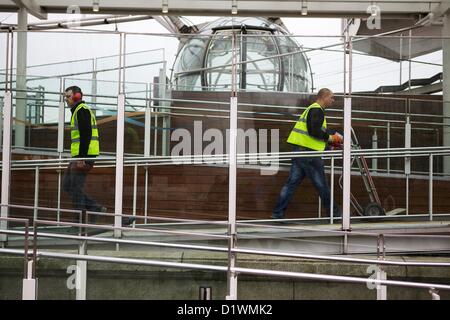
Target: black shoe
128, 221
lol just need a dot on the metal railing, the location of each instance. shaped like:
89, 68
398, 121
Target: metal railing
432, 287
232, 158
244, 160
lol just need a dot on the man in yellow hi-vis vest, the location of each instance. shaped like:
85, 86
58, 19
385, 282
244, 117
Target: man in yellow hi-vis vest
84, 144
309, 134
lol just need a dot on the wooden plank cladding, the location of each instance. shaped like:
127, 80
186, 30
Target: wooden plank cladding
201, 192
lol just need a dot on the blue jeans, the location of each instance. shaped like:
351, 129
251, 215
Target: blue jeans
73, 184
313, 168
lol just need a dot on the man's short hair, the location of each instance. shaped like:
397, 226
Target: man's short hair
323, 93
74, 89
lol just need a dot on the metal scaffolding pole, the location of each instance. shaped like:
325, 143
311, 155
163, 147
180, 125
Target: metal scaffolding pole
446, 86
120, 140
7, 134
231, 275
347, 129
21, 84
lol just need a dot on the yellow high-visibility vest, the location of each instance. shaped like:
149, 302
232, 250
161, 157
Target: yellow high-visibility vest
300, 136
94, 145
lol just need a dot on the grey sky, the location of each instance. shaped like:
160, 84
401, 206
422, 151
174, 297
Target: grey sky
368, 72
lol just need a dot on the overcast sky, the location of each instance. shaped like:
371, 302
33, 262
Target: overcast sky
369, 72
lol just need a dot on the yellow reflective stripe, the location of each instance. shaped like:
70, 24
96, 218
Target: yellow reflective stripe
300, 131
78, 139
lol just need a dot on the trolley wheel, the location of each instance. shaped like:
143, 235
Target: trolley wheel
374, 209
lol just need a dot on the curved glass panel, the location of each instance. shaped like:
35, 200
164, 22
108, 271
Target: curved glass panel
203, 63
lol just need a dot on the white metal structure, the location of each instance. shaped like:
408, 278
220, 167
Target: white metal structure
284, 8
349, 8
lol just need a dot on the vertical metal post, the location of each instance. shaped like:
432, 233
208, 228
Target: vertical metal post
165, 118
147, 145
36, 192
347, 130
120, 142
1, 120
409, 59
123, 57
119, 165
155, 136
430, 188
81, 273
135, 192
407, 159
375, 146
21, 77
446, 87
332, 191
7, 133
319, 205
401, 57
388, 145
232, 276
146, 195
6, 162
29, 287
147, 124
94, 83
205, 293
61, 120
345, 244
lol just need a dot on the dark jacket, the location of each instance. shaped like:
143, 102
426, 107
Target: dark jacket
314, 122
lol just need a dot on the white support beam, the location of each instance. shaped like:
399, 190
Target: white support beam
119, 164
21, 75
441, 10
283, 8
446, 86
32, 7
6, 161
232, 277
346, 161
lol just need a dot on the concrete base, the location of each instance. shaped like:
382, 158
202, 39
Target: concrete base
119, 281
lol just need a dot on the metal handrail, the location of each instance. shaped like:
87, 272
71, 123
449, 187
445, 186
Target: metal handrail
262, 156
261, 272
237, 250
284, 107
112, 228
25, 241
59, 223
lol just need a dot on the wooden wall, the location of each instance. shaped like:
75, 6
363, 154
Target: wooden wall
201, 192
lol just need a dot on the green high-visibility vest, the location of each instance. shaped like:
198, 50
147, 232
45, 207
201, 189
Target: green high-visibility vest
94, 146
299, 134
